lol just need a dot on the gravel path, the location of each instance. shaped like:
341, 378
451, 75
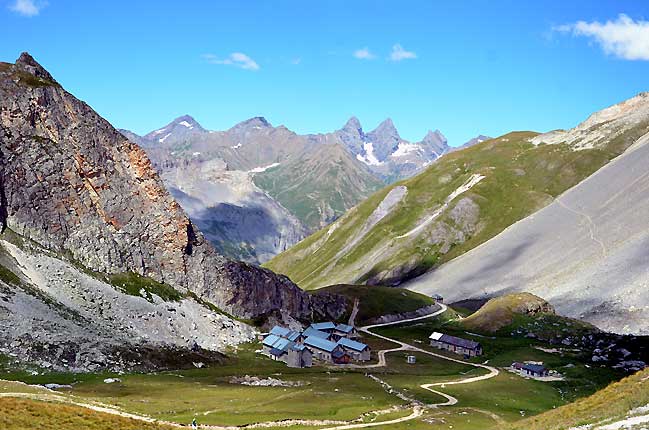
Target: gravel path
417, 410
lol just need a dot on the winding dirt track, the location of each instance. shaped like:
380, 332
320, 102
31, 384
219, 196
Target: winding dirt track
417, 410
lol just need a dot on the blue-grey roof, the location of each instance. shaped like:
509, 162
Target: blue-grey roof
274, 341
280, 331
338, 354
319, 343
310, 331
352, 344
344, 328
270, 340
298, 347
458, 341
282, 344
277, 352
536, 368
292, 335
324, 326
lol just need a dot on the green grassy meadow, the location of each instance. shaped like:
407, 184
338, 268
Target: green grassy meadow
335, 393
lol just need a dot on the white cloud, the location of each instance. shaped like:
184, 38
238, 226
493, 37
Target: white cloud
623, 38
296, 61
364, 54
27, 7
237, 59
398, 53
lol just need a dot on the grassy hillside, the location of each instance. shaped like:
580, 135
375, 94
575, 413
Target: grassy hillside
501, 311
376, 301
614, 403
318, 187
519, 178
24, 414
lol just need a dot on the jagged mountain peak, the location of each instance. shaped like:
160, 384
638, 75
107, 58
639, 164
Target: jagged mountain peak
353, 125
178, 127
27, 63
434, 136
252, 123
186, 119
386, 129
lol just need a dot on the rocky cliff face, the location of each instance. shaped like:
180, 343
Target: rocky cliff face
76, 186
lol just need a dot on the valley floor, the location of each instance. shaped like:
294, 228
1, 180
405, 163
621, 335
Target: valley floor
439, 391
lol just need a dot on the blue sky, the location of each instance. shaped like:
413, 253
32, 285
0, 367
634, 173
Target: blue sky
463, 67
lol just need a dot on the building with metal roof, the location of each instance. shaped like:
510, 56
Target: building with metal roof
536, 370
322, 340
352, 344
285, 333
322, 344
358, 351
455, 344
312, 332
270, 340
324, 326
322, 348
344, 328
279, 331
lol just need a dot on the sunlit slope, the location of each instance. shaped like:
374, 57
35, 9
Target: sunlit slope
319, 186
461, 201
621, 405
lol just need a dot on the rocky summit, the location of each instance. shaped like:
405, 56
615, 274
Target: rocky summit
386, 154
76, 193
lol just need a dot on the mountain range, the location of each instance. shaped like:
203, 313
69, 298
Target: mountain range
255, 189
587, 239
99, 266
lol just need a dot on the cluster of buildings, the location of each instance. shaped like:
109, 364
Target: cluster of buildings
325, 341
465, 347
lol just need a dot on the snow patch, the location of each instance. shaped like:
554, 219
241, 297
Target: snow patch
237, 146
162, 130
164, 138
195, 154
406, 148
186, 124
369, 158
263, 168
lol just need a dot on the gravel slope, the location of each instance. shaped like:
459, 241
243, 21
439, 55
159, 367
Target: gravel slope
586, 253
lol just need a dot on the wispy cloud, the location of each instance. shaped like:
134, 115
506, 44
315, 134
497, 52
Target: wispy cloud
399, 54
364, 54
236, 59
27, 7
623, 37
296, 61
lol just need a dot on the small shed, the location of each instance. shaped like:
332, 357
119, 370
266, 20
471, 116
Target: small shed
411, 359
535, 370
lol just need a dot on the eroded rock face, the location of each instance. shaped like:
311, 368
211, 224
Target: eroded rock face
76, 186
